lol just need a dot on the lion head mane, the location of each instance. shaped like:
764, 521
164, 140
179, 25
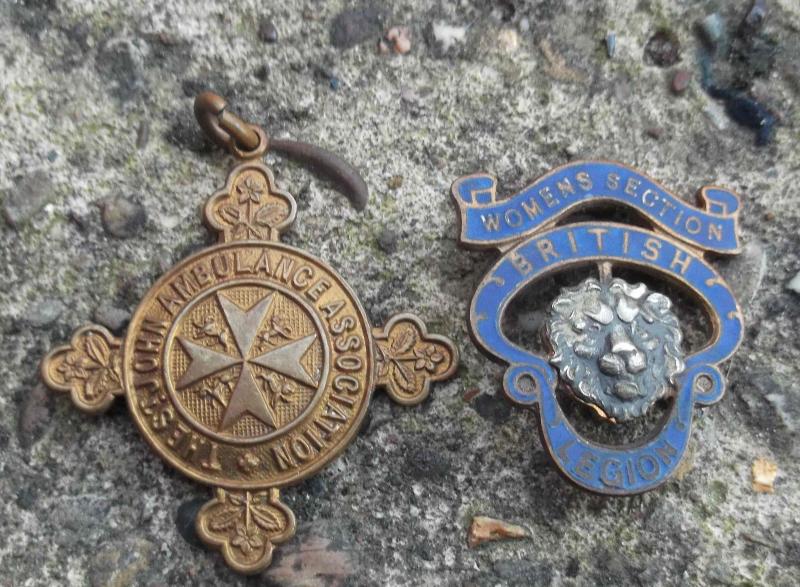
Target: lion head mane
617, 345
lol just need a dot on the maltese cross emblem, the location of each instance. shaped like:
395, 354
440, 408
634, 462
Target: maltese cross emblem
246, 396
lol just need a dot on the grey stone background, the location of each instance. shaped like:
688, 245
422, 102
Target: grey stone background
103, 173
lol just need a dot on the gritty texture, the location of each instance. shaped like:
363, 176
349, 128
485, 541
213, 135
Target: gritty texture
95, 108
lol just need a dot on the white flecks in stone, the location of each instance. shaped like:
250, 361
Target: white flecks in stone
716, 114
779, 405
745, 272
508, 40
170, 221
448, 35
794, 283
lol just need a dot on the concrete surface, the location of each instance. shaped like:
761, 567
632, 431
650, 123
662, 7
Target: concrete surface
103, 173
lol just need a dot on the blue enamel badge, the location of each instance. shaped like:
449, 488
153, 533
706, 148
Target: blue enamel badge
613, 345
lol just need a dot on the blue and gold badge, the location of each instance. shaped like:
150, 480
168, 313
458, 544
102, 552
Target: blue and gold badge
613, 345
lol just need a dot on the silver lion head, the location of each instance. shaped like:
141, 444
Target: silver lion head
617, 345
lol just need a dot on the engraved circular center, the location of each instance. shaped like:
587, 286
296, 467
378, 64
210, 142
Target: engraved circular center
245, 360
249, 365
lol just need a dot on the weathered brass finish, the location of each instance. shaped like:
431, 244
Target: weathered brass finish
250, 365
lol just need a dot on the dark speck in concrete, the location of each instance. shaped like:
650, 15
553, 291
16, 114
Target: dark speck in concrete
492, 407
354, 26
29, 194
119, 62
663, 48
123, 217
35, 413
185, 520
267, 32
387, 240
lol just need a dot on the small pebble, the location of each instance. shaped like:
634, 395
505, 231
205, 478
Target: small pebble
471, 394
116, 561
794, 283
43, 313
34, 415
611, 45
143, 134
524, 25
712, 28
572, 150
764, 473
755, 17
680, 81
716, 114
508, 40
395, 182
27, 197
113, 318
123, 218
311, 560
262, 72
447, 35
399, 38
663, 49
267, 31
485, 529
387, 241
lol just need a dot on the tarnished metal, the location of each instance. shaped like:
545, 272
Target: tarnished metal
616, 345
344, 175
226, 129
248, 141
249, 365
613, 345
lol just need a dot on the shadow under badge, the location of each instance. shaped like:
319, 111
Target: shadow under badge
614, 346
250, 365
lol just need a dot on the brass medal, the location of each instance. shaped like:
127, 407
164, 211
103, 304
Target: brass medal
249, 365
